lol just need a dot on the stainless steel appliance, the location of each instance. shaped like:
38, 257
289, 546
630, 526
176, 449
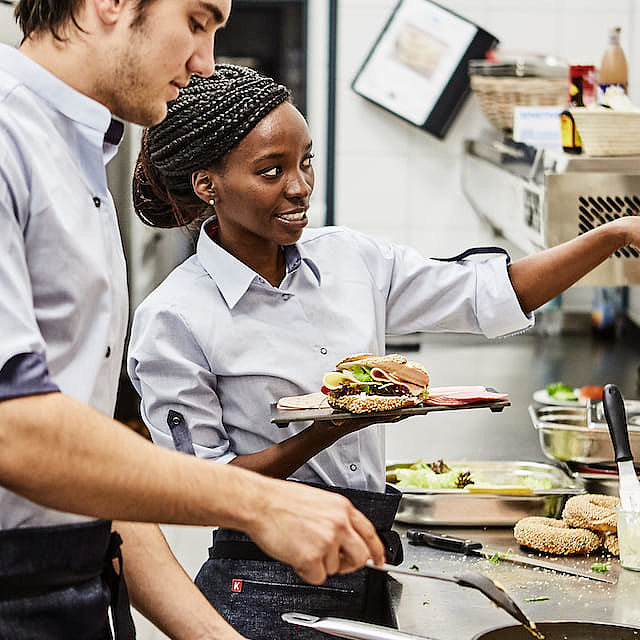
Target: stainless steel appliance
538, 198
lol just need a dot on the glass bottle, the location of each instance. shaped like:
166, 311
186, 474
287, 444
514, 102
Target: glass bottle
613, 68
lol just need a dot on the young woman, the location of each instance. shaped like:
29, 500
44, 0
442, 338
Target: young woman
266, 306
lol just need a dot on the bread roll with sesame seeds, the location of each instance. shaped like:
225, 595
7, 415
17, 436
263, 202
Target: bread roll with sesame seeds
610, 543
555, 536
366, 404
364, 383
593, 511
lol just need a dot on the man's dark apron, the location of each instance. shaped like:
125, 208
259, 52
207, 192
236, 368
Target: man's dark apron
57, 583
251, 590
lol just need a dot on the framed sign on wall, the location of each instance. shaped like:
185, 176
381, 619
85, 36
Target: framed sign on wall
418, 66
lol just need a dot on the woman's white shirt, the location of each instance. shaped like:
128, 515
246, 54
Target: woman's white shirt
217, 344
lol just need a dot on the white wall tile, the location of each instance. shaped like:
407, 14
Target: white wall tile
530, 31
363, 127
372, 191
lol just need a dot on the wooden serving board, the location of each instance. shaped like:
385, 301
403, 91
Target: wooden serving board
283, 417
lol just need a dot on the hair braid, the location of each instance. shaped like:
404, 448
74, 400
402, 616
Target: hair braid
209, 118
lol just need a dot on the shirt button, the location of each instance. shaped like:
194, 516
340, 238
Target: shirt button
97, 202
323, 351
286, 296
353, 467
107, 352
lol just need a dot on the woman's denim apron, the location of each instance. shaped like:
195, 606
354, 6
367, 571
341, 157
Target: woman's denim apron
251, 590
57, 583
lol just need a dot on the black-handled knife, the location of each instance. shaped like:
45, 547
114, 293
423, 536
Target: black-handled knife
445, 542
613, 404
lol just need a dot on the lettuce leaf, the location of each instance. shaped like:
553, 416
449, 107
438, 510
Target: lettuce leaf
561, 391
361, 373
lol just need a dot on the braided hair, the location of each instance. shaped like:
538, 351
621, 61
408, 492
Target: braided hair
209, 118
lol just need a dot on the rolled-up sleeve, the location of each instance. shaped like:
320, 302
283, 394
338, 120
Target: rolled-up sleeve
497, 307
25, 374
172, 375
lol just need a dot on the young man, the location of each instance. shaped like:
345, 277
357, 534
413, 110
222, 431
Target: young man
63, 315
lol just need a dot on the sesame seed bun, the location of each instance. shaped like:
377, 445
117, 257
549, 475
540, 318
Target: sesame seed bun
366, 404
593, 511
555, 536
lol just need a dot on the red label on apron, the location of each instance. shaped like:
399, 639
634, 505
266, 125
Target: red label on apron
236, 585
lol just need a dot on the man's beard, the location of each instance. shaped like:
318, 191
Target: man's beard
131, 97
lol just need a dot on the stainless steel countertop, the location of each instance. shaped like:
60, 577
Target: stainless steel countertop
444, 611
518, 365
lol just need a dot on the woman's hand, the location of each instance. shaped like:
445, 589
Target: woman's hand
355, 424
630, 227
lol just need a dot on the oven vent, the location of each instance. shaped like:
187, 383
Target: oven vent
598, 210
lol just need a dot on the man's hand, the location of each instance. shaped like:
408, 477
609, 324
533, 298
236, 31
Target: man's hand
319, 533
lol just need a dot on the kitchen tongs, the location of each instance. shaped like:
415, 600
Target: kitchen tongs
484, 585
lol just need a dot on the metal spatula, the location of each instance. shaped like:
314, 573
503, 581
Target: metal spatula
484, 585
614, 412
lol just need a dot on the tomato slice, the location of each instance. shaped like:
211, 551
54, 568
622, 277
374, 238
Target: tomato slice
325, 390
591, 391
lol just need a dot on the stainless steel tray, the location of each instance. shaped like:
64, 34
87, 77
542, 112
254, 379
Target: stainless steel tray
574, 435
459, 507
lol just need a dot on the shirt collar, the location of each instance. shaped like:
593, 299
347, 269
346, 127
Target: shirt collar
60, 96
304, 256
231, 275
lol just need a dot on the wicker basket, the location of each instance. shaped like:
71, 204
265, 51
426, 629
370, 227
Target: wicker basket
607, 132
498, 96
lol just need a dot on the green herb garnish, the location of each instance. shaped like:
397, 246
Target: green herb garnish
600, 567
414, 567
538, 599
363, 374
495, 558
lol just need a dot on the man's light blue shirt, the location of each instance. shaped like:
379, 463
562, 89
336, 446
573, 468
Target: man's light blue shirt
63, 294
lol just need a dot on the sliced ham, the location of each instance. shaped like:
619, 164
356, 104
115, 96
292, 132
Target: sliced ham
379, 375
454, 396
405, 373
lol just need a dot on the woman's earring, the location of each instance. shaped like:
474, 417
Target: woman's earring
212, 202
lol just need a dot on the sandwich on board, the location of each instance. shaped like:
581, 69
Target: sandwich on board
364, 383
